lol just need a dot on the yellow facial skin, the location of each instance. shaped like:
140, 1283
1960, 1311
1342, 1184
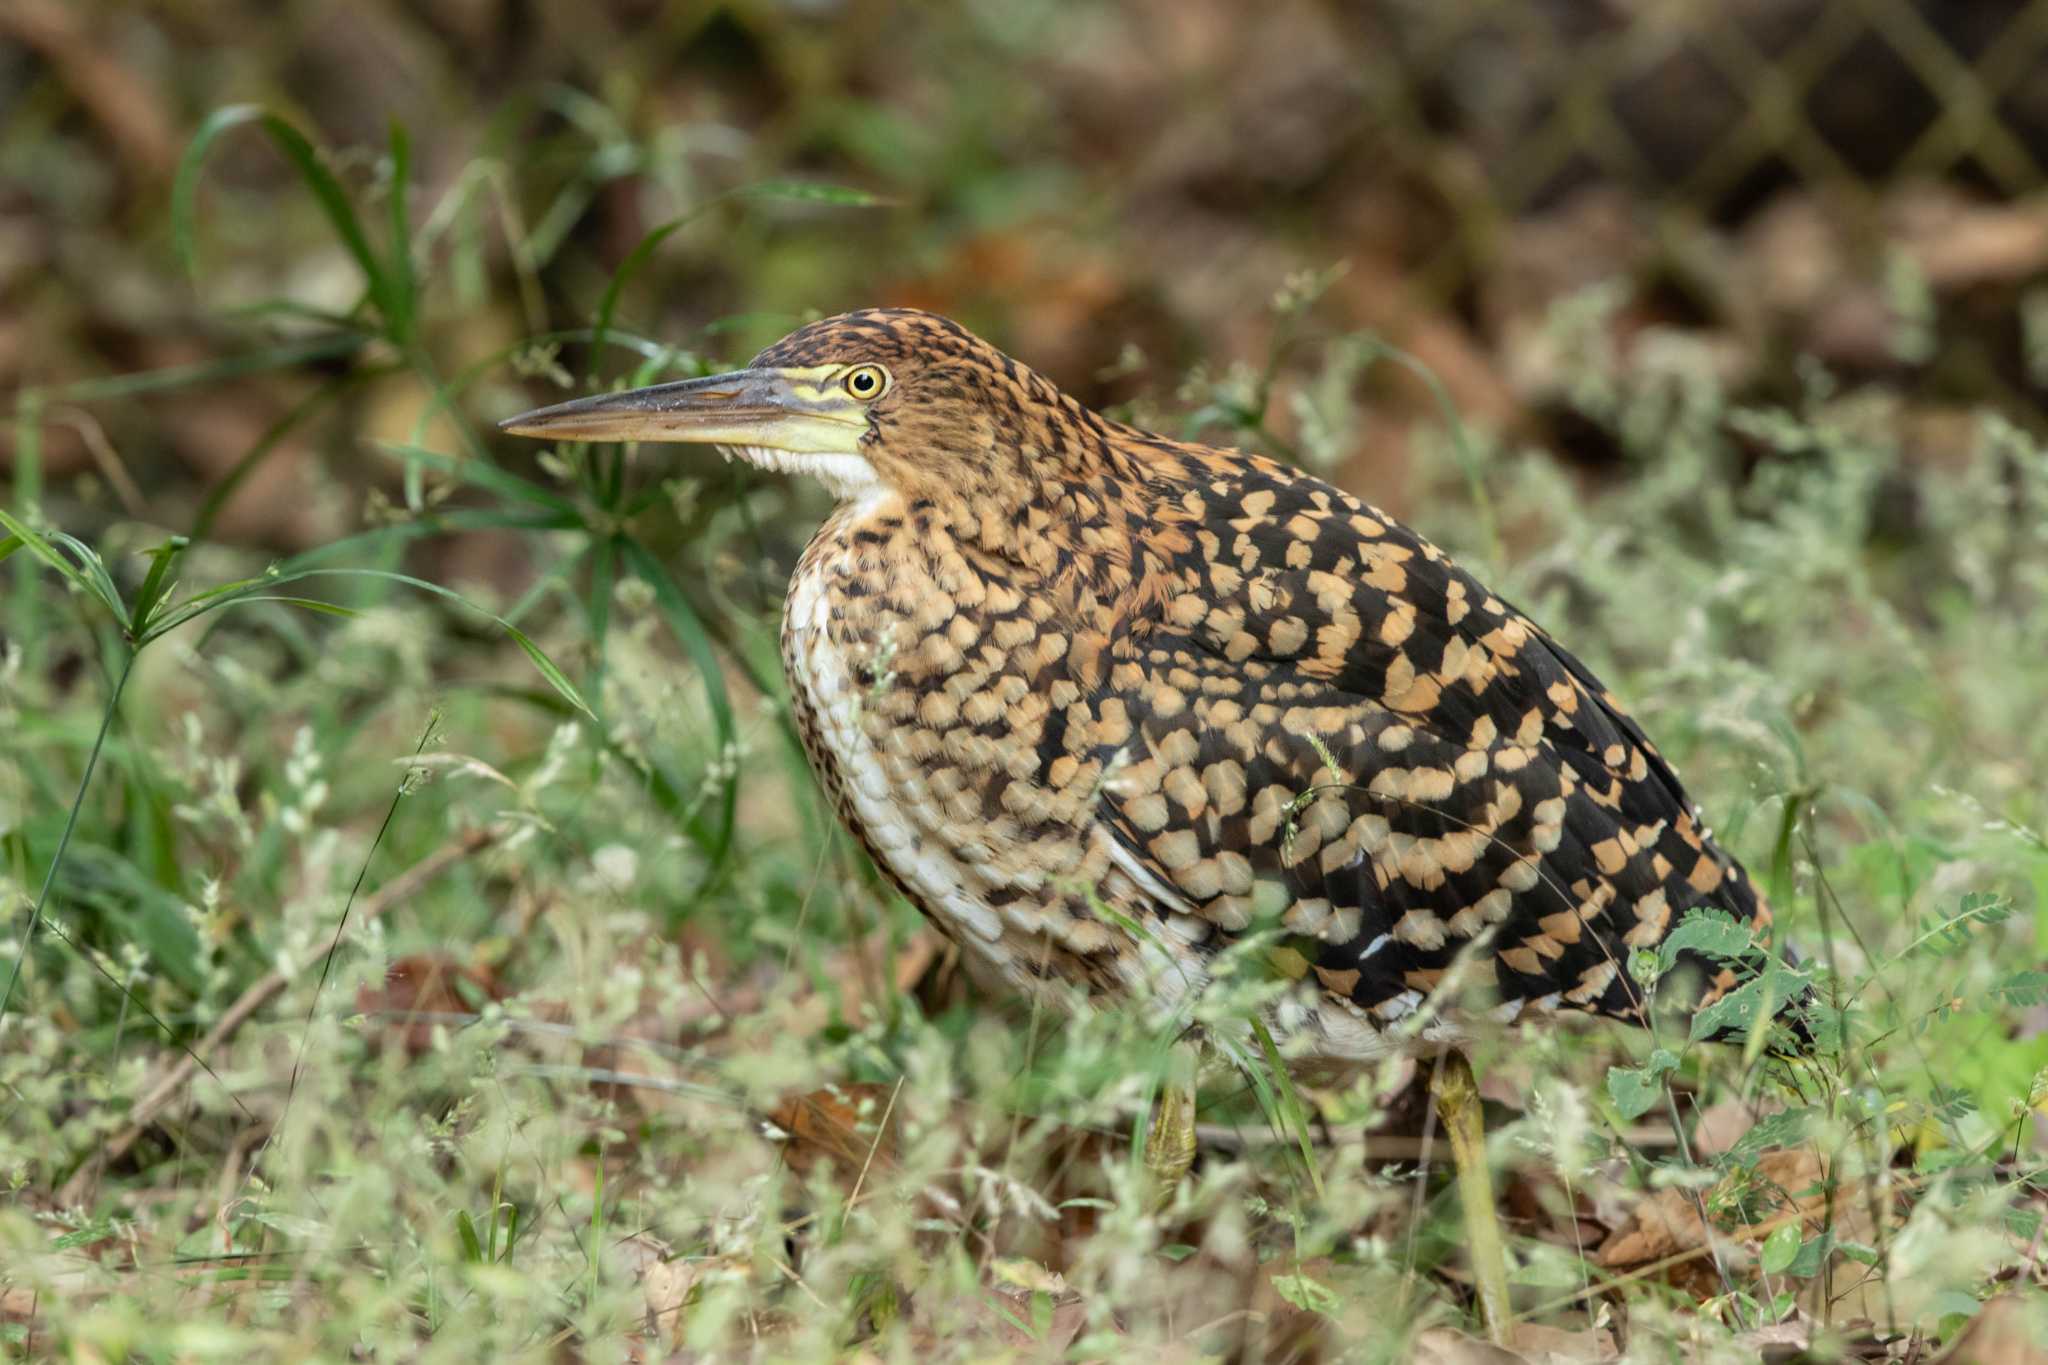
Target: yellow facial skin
798, 420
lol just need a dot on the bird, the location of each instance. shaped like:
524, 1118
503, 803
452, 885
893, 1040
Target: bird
1104, 705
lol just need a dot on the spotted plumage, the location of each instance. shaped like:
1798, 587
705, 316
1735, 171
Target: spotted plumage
1060, 674
1102, 703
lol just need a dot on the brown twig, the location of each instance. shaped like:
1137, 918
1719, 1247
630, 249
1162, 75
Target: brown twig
266, 988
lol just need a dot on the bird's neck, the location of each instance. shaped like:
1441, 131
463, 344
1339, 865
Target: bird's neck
1092, 537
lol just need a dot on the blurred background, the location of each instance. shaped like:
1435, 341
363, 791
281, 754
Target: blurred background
1112, 192
1715, 335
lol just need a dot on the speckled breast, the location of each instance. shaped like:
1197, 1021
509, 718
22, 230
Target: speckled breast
926, 690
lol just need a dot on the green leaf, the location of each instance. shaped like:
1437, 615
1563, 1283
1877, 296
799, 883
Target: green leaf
1635, 1089
93, 567
548, 669
2023, 989
1754, 1002
472, 1248
1779, 1249
1309, 1295
307, 603
1812, 1253
1712, 933
97, 1231
1781, 1129
1732, 1011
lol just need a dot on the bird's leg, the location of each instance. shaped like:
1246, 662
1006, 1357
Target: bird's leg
1457, 1104
1170, 1141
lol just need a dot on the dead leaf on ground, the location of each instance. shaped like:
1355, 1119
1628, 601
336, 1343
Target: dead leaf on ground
857, 970
1034, 1320
1444, 1346
1545, 1345
840, 1124
2010, 1330
1668, 1221
426, 984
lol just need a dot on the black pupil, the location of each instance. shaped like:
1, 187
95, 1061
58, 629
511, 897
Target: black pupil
863, 381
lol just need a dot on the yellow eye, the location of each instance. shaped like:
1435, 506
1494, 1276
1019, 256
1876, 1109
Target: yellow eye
866, 381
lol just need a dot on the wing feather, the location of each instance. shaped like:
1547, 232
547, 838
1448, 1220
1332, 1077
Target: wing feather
1334, 723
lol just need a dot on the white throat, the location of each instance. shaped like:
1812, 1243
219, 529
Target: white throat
849, 476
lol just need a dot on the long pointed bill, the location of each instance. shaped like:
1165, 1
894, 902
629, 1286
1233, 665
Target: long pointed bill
796, 420
786, 409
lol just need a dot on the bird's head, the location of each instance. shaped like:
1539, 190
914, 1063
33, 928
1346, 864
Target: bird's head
872, 402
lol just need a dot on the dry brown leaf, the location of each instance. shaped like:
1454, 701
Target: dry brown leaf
840, 1124
1545, 1345
1668, 1222
425, 984
1010, 1316
1720, 1126
855, 971
2010, 1330
1960, 243
1445, 1346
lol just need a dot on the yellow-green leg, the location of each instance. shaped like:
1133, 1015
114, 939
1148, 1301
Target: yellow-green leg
1170, 1141
1457, 1104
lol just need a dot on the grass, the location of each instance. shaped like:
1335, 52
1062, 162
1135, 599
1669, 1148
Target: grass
518, 997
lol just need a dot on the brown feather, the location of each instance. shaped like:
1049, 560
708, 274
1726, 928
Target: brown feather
1064, 676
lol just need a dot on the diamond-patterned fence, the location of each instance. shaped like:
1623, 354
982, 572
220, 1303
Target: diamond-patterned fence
1702, 117
1702, 109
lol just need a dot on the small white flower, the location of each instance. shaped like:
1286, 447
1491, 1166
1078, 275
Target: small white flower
617, 867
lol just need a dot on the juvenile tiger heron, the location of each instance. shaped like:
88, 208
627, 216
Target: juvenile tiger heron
1101, 703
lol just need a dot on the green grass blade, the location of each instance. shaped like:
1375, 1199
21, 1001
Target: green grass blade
689, 631
283, 357
156, 584
483, 474
256, 590
557, 679
25, 601
472, 1249
96, 585
1288, 1111
267, 444
403, 301
604, 565
313, 604
94, 568
92, 762
644, 249
642, 252
327, 191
